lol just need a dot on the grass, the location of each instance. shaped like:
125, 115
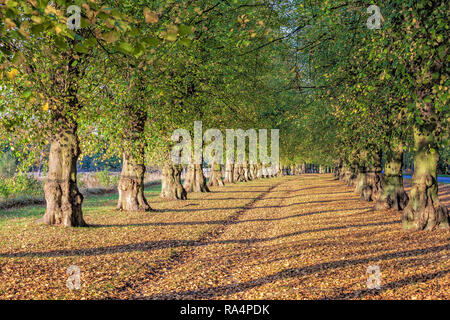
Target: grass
91, 204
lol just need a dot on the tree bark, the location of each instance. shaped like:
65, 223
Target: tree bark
61, 192
252, 171
246, 169
229, 169
393, 194
131, 183
279, 172
238, 174
259, 173
215, 177
171, 187
195, 180
424, 210
351, 175
264, 172
361, 180
372, 191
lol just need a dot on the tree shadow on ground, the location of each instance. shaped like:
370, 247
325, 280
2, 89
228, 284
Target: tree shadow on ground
389, 286
212, 292
164, 244
212, 222
254, 207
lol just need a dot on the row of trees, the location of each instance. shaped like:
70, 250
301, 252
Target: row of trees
124, 81
373, 94
341, 94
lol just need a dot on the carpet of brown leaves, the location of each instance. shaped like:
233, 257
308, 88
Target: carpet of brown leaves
303, 237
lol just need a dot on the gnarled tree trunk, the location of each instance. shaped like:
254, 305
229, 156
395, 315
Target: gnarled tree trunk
195, 179
361, 180
279, 172
238, 174
393, 194
374, 180
171, 187
252, 171
61, 192
131, 183
351, 176
246, 169
259, 173
215, 176
424, 211
229, 169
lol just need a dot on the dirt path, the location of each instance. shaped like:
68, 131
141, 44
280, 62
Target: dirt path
309, 237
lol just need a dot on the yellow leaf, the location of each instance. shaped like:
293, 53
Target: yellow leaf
12, 74
45, 106
9, 24
24, 27
58, 29
150, 17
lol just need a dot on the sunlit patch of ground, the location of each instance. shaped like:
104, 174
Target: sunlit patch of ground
303, 237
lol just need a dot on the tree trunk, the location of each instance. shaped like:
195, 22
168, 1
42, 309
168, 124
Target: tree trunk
215, 177
342, 172
393, 194
171, 187
61, 192
229, 169
374, 180
246, 169
131, 183
351, 176
279, 172
252, 171
424, 211
361, 180
259, 171
195, 180
238, 174
264, 172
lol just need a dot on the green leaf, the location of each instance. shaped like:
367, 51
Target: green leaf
61, 43
80, 47
125, 47
185, 30
185, 42
27, 94
151, 41
111, 36
37, 29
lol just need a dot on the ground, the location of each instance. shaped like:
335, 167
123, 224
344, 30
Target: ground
300, 237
